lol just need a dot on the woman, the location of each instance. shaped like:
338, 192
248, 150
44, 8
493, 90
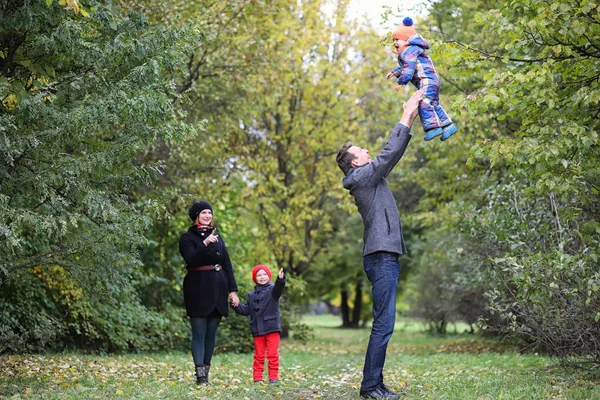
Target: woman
208, 285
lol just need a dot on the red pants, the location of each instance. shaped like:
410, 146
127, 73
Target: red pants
268, 343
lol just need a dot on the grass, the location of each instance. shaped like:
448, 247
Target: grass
456, 366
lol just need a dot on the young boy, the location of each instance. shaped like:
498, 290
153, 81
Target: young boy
263, 308
415, 66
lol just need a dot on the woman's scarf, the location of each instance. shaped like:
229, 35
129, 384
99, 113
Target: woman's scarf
204, 228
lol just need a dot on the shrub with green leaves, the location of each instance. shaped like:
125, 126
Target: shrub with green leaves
545, 280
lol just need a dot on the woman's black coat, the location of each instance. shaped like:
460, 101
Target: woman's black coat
206, 291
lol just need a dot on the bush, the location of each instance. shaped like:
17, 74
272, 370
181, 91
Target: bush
46, 309
553, 302
446, 286
543, 268
234, 334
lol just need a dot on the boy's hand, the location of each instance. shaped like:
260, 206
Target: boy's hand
281, 275
398, 87
389, 75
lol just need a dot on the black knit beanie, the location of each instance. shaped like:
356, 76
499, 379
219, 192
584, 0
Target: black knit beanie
197, 208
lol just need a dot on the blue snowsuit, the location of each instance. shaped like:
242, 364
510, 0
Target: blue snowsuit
415, 66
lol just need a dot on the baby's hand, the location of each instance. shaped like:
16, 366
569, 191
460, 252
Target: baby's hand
389, 75
281, 275
398, 88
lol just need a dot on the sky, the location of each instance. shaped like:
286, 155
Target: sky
372, 10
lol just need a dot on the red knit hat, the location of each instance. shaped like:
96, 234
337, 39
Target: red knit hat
258, 268
404, 31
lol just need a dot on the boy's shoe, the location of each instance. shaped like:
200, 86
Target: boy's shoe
273, 381
448, 131
258, 381
432, 133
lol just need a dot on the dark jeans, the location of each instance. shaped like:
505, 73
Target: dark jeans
382, 269
204, 338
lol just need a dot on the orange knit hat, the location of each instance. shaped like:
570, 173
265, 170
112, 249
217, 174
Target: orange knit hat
404, 31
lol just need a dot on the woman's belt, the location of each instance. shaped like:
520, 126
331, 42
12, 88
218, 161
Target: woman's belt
216, 267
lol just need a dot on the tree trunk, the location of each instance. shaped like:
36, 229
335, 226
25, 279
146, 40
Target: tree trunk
345, 308
357, 304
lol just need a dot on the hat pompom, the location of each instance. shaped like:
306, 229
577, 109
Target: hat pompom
405, 30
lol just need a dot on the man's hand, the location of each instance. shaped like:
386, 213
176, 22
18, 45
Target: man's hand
411, 108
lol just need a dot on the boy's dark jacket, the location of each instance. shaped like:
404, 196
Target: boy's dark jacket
263, 308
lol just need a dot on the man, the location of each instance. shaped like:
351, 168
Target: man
383, 241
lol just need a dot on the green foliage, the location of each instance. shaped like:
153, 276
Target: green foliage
55, 313
525, 212
546, 213
93, 103
522, 219
447, 285
84, 95
543, 275
234, 334
82, 98
268, 162
27, 320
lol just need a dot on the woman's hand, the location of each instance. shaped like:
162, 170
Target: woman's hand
281, 275
212, 238
234, 299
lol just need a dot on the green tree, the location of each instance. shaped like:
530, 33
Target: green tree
525, 212
85, 92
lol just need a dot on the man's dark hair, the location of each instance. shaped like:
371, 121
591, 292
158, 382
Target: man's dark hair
344, 158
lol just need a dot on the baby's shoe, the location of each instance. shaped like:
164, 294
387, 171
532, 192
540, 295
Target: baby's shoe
273, 381
430, 134
448, 131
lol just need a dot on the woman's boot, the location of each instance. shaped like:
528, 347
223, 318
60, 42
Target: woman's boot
207, 369
201, 375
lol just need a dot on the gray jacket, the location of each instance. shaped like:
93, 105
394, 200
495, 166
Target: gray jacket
374, 199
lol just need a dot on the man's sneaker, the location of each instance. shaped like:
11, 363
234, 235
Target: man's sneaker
448, 131
387, 390
378, 393
432, 133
